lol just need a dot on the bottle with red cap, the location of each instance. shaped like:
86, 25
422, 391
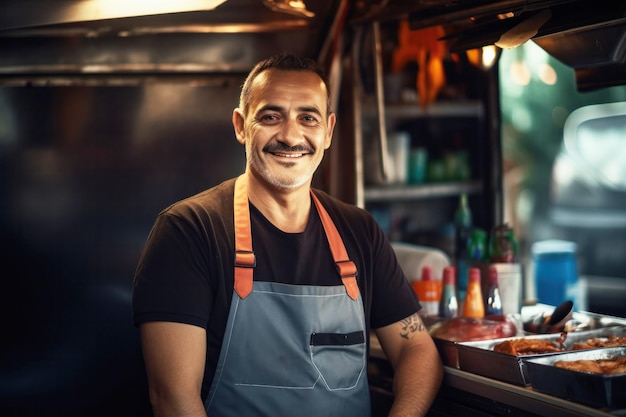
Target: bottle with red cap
494, 301
448, 305
428, 291
474, 306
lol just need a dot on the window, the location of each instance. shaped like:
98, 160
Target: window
564, 156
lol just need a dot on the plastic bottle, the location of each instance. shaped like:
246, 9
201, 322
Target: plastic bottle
503, 246
494, 301
448, 306
462, 225
477, 246
474, 306
428, 291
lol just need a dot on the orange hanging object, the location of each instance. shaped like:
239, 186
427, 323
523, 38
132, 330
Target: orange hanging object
424, 47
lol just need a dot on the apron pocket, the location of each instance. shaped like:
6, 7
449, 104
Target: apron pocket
339, 358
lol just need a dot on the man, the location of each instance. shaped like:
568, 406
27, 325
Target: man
255, 297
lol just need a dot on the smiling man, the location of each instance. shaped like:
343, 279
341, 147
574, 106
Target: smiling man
256, 297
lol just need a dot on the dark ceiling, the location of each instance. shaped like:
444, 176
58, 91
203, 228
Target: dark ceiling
50, 37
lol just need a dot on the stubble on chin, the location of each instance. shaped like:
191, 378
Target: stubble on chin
283, 181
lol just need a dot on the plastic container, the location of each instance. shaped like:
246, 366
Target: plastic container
428, 291
510, 286
556, 273
474, 306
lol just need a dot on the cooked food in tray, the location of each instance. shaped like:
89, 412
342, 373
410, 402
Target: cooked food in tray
527, 346
519, 347
505, 359
600, 342
594, 377
598, 366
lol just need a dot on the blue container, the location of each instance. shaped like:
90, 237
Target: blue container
556, 274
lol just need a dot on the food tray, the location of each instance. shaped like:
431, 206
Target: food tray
599, 321
448, 352
595, 390
479, 358
580, 321
447, 333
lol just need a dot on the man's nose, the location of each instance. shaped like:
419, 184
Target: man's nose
290, 132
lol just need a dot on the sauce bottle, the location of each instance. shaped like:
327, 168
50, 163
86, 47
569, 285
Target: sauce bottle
494, 301
428, 291
448, 305
474, 306
462, 226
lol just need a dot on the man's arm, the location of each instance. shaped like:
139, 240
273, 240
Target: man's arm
418, 370
175, 356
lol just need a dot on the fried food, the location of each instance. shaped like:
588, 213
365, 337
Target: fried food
598, 366
581, 365
600, 342
522, 346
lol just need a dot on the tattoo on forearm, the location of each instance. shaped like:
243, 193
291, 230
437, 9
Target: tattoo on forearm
411, 325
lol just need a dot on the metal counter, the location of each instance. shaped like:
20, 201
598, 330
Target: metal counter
469, 393
521, 398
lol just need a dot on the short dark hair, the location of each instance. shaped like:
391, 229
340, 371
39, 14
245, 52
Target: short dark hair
287, 62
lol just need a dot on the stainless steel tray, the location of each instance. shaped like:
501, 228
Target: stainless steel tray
448, 352
595, 390
479, 358
447, 345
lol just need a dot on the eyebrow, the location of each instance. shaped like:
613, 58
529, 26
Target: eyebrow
280, 109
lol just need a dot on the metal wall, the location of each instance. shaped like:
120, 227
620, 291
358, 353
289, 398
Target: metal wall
83, 173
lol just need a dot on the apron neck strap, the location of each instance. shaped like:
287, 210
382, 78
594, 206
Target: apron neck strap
345, 267
245, 260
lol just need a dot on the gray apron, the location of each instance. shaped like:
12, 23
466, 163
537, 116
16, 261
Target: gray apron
291, 350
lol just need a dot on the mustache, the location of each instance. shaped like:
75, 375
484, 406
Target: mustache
281, 147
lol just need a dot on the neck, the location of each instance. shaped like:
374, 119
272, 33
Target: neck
287, 209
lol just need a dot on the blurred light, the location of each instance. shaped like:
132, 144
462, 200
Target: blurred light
489, 55
520, 74
547, 74
564, 171
521, 118
483, 57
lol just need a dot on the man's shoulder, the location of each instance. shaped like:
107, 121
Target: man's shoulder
341, 210
334, 202
218, 199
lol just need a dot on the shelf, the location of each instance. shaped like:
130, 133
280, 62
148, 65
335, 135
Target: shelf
415, 192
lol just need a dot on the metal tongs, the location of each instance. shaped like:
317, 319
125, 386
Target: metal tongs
554, 322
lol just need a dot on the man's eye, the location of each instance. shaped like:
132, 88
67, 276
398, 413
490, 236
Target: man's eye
269, 118
309, 119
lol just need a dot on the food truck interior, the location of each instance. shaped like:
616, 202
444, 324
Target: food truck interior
108, 114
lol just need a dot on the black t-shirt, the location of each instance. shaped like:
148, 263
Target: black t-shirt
186, 271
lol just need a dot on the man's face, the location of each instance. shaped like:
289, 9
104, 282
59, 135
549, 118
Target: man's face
286, 130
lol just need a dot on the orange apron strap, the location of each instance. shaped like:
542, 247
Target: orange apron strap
245, 261
345, 267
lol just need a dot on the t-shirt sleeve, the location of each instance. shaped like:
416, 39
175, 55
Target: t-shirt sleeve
393, 298
171, 280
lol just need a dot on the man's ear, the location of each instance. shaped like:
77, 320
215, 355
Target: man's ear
238, 122
332, 119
